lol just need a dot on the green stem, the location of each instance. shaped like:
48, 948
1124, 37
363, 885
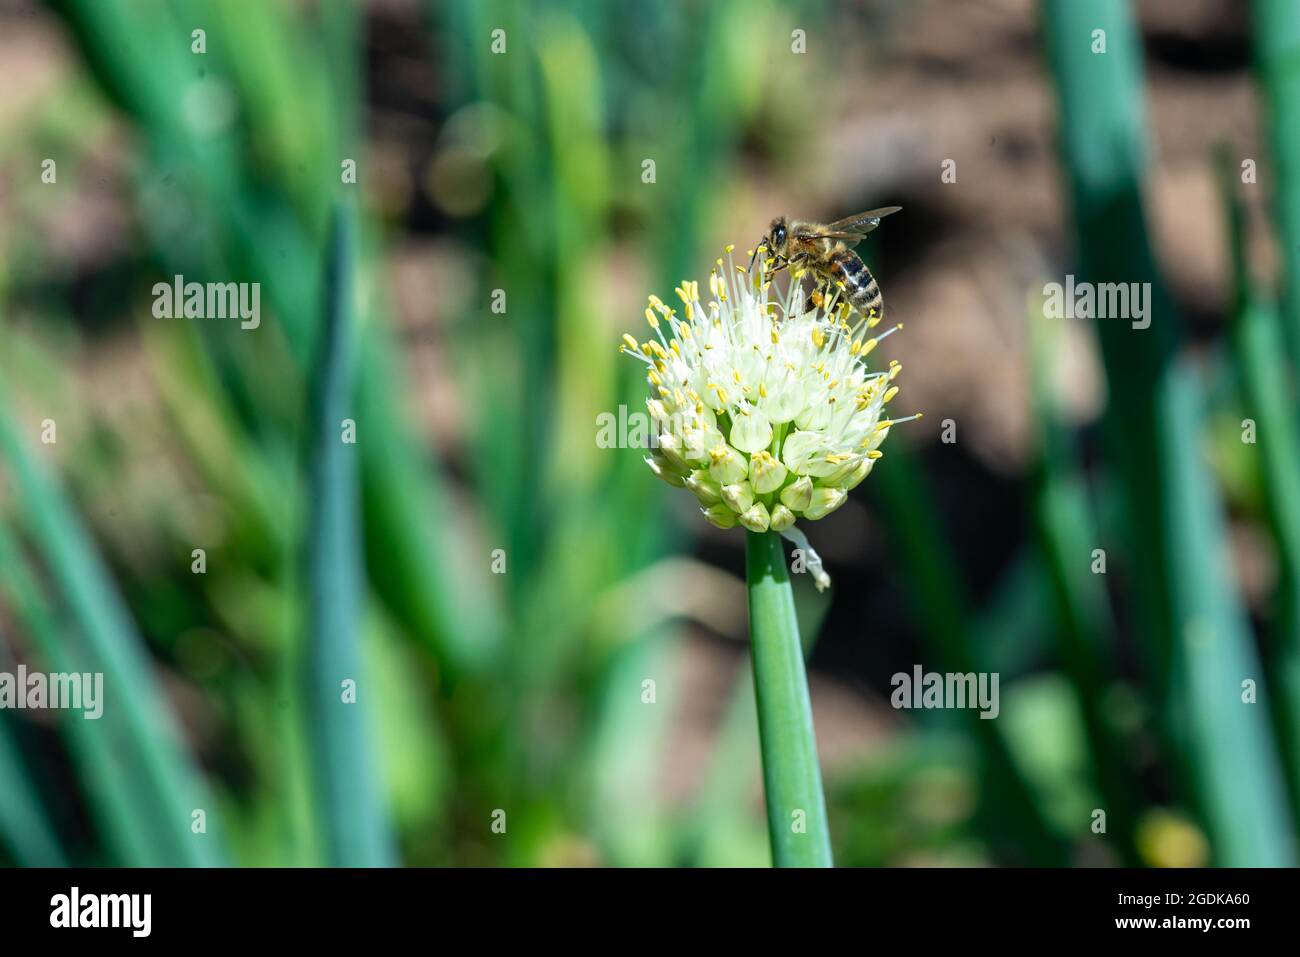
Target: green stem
792, 779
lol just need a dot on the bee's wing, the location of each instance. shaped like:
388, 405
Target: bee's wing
859, 224
810, 231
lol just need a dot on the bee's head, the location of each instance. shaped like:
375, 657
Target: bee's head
776, 237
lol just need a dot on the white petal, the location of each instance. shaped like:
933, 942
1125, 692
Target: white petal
799, 448
751, 431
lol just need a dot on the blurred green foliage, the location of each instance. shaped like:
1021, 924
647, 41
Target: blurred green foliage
522, 691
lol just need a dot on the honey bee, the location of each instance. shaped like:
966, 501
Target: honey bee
826, 251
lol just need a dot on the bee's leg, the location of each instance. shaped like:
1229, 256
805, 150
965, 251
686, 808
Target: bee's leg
816, 286
824, 294
778, 263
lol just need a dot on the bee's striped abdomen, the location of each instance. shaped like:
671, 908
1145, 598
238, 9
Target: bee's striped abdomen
860, 287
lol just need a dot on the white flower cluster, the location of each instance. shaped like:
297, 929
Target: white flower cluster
762, 405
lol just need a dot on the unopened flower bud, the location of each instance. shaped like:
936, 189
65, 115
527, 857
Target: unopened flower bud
670, 447
755, 518
660, 467
726, 465
720, 515
705, 488
842, 471
824, 501
796, 496
782, 518
739, 496
858, 474
766, 472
